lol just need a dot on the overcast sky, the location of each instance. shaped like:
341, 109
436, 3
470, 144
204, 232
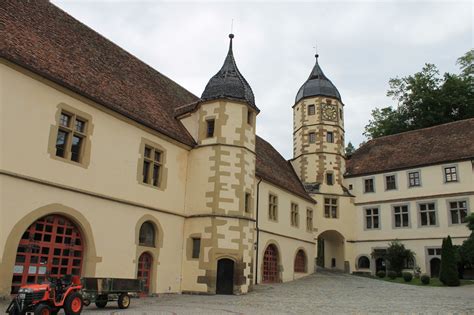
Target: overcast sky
362, 44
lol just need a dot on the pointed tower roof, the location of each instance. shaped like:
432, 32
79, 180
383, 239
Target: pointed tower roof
317, 85
229, 82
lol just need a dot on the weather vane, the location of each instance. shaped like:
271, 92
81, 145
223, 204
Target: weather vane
232, 26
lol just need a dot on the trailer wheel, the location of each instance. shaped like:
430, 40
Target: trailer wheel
73, 304
124, 300
42, 309
101, 303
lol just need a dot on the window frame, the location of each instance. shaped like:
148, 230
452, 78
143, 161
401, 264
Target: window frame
313, 107
247, 202
249, 117
272, 207
309, 220
450, 166
329, 136
418, 209
163, 170
312, 137
294, 215
331, 205
194, 240
207, 133
395, 181
330, 175
449, 210
154, 236
372, 215
401, 214
364, 186
408, 178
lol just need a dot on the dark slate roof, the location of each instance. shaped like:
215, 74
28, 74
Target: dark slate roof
434, 145
229, 82
45, 40
317, 85
273, 167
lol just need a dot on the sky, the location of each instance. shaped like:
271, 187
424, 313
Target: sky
361, 44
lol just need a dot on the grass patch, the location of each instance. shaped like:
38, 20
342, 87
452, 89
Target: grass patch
434, 282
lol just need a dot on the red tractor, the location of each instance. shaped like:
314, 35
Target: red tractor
49, 298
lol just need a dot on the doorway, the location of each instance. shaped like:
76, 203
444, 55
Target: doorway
380, 265
435, 264
145, 263
225, 276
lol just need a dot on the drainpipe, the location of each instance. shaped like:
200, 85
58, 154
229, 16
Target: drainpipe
258, 232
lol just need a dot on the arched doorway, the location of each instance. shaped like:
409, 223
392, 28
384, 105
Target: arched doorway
225, 276
300, 262
331, 250
53, 244
363, 262
270, 265
435, 266
145, 263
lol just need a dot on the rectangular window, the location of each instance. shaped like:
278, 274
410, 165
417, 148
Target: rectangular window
249, 117
458, 211
434, 251
309, 220
312, 137
372, 218
330, 178
196, 247
401, 216
427, 214
340, 113
70, 137
272, 207
369, 185
450, 174
330, 208
390, 182
414, 179
247, 202
311, 110
294, 215
210, 128
151, 166
330, 137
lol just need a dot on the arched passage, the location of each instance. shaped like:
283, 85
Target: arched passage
270, 265
225, 276
144, 272
331, 252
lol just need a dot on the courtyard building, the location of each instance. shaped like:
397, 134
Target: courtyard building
110, 169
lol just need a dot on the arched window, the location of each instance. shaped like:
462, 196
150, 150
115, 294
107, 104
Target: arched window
300, 261
147, 234
363, 262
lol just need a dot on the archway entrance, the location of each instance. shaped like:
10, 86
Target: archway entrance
435, 266
270, 265
225, 276
52, 244
145, 263
331, 250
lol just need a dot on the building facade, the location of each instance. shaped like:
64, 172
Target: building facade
110, 169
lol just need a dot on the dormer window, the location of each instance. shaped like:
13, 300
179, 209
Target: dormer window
210, 128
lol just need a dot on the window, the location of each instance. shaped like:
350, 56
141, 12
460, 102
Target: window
458, 211
363, 262
450, 174
330, 178
294, 215
247, 202
312, 137
151, 166
340, 113
210, 128
401, 216
147, 234
427, 214
330, 208
330, 137
369, 185
196, 247
300, 261
71, 137
390, 182
434, 251
311, 110
350, 187
272, 207
309, 220
372, 220
249, 117
414, 179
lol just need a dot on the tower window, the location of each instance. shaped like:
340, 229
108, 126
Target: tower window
311, 110
330, 137
312, 137
210, 128
330, 178
196, 247
247, 202
249, 117
340, 113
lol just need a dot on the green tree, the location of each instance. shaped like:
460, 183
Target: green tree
449, 267
397, 256
466, 250
349, 149
426, 99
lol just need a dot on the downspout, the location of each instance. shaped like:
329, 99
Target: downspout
258, 232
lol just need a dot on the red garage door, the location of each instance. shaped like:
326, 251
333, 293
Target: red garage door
270, 265
53, 245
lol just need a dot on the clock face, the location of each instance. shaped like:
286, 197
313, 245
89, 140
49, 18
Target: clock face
329, 112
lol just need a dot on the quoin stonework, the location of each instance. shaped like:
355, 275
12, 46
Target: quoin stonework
110, 169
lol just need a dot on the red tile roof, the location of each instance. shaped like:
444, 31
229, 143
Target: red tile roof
439, 144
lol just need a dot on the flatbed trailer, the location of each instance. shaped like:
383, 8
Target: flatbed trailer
103, 290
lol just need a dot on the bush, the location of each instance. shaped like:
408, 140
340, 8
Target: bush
449, 267
381, 274
407, 276
425, 279
397, 255
392, 274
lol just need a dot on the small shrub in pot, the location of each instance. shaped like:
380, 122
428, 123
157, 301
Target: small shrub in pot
407, 276
425, 279
381, 274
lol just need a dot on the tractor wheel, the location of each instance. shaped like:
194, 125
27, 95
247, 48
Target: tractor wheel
123, 300
73, 304
42, 309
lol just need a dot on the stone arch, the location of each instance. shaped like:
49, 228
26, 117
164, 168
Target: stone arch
358, 262
279, 259
331, 250
301, 249
90, 258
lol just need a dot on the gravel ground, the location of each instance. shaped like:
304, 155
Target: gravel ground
324, 292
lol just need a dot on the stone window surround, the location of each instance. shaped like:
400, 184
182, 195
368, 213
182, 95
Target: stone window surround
458, 178
372, 215
448, 208
357, 261
309, 217
311, 109
428, 257
408, 178
331, 205
418, 203
385, 176
208, 121
363, 184
272, 194
163, 175
393, 215
332, 178
294, 208
311, 137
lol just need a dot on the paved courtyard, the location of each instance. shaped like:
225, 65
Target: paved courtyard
323, 292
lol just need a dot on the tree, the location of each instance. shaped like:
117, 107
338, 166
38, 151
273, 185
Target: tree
426, 99
349, 149
449, 267
466, 250
397, 256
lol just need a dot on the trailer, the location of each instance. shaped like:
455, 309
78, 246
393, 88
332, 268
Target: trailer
103, 290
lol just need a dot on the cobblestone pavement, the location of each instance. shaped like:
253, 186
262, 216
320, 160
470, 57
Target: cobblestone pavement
323, 292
